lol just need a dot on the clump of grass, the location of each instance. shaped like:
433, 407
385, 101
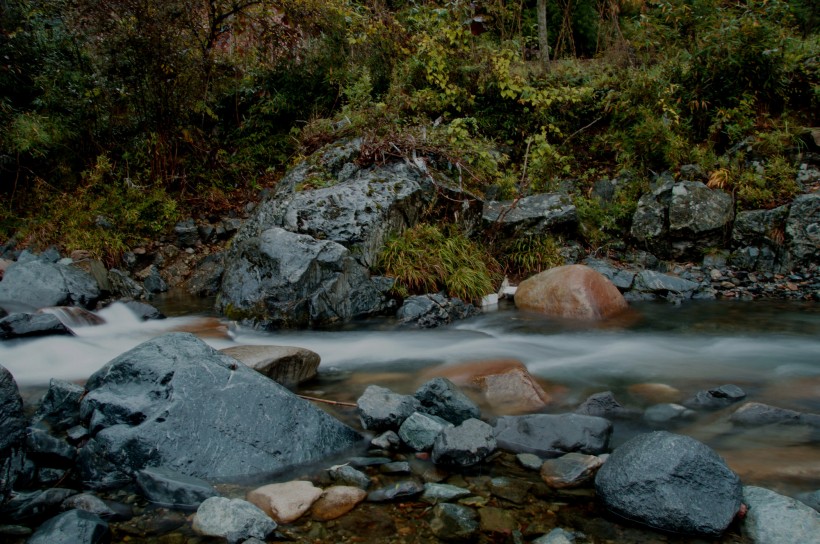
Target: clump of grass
529, 255
427, 259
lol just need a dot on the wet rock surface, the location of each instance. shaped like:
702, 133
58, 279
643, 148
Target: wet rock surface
172, 402
552, 435
670, 482
773, 518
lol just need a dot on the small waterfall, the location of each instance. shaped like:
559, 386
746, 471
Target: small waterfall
73, 316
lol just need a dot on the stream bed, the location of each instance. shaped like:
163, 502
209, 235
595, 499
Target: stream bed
770, 349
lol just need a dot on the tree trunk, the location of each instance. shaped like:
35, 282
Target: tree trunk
543, 42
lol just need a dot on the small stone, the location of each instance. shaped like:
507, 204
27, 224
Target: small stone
436, 493
337, 501
570, 470
465, 445
511, 489
93, 505
556, 536
380, 409
285, 502
347, 475
454, 523
361, 462
388, 440
398, 490
233, 519
440, 397
664, 413
397, 467
419, 431
530, 461
72, 527
497, 521
604, 405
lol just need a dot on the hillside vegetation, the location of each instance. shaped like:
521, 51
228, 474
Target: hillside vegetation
119, 118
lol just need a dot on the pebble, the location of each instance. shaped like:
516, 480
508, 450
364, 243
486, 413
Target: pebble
337, 501
285, 502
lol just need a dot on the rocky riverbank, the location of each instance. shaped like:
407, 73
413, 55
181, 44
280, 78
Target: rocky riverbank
176, 442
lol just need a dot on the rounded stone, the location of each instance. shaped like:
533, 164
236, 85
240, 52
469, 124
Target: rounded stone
572, 291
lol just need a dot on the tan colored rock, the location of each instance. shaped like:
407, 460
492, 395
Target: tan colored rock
287, 365
573, 291
337, 501
285, 502
655, 393
504, 384
570, 470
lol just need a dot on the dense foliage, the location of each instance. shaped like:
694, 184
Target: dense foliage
118, 117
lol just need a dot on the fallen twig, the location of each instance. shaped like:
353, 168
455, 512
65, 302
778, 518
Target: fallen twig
333, 402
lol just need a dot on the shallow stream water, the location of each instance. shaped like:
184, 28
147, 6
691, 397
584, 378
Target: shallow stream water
770, 349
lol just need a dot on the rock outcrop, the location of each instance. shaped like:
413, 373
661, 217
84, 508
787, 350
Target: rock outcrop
678, 219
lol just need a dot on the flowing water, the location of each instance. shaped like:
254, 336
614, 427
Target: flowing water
770, 349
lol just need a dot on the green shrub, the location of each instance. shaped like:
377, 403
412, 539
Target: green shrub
427, 259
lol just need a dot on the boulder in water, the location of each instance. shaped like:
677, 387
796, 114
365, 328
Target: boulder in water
287, 365
176, 402
670, 482
572, 291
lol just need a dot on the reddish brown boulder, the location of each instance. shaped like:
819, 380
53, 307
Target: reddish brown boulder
574, 291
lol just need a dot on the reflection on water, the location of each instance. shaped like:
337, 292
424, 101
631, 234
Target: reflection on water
770, 349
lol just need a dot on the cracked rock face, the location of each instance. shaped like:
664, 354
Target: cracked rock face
680, 218
175, 402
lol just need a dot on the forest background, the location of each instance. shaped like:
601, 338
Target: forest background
120, 117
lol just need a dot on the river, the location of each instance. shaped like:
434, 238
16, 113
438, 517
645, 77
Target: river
770, 349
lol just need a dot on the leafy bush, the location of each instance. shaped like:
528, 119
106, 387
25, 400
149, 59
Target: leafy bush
427, 259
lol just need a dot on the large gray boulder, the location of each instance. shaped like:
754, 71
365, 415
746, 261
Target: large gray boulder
670, 482
553, 435
330, 197
13, 437
284, 279
775, 519
682, 218
177, 403
39, 284
532, 215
